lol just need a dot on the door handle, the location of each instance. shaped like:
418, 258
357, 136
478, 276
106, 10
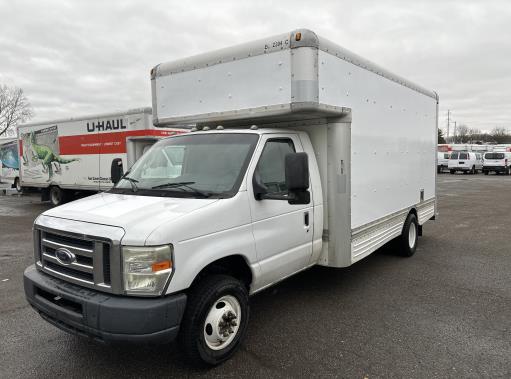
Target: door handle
306, 218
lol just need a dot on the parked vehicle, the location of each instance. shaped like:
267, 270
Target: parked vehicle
9, 162
497, 163
466, 162
442, 161
278, 177
76, 154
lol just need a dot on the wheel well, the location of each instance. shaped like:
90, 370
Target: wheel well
414, 211
233, 265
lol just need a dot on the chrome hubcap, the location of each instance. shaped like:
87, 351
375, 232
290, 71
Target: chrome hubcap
222, 322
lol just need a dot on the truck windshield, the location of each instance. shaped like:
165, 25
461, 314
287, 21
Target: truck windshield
191, 165
494, 156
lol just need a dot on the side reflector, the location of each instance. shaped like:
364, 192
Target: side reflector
298, 36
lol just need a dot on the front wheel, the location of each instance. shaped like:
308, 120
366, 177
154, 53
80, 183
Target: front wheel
451, 171
215, 319
407, 242
486, 172
17, 185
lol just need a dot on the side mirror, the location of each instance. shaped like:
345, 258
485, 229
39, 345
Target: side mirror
297, 178
116, 170
259, 188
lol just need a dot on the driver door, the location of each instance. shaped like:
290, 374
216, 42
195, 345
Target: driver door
282, 231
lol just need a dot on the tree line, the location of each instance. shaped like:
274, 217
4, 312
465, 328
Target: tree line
464, 134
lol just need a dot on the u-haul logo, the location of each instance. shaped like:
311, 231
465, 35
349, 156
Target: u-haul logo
102, 126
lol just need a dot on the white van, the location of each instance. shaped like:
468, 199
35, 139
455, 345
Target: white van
442, 161
497, 162
466, 162
274, 181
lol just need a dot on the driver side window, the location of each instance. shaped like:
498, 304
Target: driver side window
271, 166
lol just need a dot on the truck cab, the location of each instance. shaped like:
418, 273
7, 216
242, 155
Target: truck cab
225, 211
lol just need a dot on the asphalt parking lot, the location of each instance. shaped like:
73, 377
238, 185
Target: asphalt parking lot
445, 312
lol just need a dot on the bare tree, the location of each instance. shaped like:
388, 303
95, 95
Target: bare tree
462, 133
14, 108
500, 135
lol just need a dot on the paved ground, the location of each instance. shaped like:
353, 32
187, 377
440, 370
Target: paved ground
446, 312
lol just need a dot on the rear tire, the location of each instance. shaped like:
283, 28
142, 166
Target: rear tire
473, 171
207, 311
486, 172
57, 196
407, 242
451, 171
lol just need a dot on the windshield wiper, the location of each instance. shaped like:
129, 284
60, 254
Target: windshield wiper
133, 183
183, 184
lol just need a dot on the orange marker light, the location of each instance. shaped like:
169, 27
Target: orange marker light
298, 36
164, 265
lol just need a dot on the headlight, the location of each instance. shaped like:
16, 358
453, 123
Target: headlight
146, 269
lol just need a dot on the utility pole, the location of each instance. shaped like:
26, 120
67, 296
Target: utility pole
454, 131
448, 123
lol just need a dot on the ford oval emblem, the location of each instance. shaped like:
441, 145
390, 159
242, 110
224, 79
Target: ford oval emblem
64, 256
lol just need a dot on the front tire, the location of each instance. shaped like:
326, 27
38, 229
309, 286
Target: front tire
215, 320
17, 185
407, 242
451, 171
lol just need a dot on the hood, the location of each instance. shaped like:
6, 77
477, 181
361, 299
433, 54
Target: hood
137, 215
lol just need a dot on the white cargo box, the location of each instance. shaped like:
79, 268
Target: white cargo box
374, 133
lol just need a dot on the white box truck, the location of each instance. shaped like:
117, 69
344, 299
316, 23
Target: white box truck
297, 160
76, 154
9, 162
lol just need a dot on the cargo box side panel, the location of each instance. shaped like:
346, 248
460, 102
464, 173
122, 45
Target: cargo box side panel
233, 86
9, 160
393, 139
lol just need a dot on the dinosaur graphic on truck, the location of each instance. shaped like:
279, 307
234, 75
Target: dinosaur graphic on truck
44, 152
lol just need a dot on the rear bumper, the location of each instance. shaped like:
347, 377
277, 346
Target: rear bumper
460, 168
495, 168
101, 316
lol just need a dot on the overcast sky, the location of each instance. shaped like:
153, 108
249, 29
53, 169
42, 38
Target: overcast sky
79, 57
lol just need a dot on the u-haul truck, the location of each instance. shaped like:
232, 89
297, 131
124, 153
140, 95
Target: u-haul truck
9, 162
296, 161
76, 154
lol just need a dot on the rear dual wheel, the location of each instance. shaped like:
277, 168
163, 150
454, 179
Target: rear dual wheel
58, 196
407, 242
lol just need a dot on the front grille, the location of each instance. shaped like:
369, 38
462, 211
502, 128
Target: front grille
90, 263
